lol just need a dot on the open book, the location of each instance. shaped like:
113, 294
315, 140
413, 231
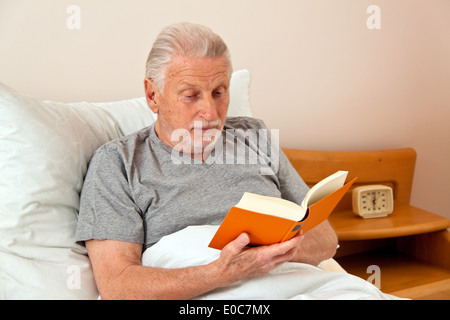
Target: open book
270, 220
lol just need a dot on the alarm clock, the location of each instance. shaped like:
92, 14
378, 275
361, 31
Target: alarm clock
372, 201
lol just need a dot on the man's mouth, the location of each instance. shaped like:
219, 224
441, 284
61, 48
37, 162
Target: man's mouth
205, 126
205, 132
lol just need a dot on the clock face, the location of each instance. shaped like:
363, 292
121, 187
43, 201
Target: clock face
375, 201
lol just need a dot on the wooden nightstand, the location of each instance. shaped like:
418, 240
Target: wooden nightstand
410, 248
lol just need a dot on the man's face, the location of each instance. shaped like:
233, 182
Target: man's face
196, 91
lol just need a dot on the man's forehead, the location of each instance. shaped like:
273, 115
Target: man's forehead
197, 69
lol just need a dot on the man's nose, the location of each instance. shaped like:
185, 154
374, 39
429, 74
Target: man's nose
208, 109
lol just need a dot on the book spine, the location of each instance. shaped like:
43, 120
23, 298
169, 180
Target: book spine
293, 230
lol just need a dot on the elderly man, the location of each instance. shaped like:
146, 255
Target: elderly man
134, 193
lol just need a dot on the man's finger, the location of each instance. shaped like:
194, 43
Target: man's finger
237, 245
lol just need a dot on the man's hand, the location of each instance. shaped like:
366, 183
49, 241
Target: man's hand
237, 261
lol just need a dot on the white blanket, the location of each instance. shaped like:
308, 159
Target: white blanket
189, 247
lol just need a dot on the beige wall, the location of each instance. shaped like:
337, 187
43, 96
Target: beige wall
318, 72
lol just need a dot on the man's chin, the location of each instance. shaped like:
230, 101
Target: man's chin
196, 142
203, 148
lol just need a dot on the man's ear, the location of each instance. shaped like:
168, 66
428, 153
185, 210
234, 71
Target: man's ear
150, 94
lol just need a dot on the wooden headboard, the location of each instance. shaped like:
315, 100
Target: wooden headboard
394, 168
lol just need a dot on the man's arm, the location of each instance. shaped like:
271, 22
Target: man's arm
319, 244
119, 273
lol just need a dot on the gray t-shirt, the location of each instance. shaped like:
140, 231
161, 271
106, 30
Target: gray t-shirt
138, 189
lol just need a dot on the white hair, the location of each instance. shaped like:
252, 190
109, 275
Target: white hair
183, 39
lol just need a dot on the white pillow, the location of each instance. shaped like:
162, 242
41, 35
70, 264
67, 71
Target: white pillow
45, 148
240, 94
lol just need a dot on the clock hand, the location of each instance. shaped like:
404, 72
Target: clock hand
374, 200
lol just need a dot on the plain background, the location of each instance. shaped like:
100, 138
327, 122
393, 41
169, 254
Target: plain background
319, 74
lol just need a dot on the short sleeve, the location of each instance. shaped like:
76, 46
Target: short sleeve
107, 209
292, 186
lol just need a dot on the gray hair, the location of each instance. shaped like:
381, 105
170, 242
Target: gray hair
184, 39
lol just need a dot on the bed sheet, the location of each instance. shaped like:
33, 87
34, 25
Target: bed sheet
189, 247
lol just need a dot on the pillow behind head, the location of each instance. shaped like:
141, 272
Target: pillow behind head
45, 148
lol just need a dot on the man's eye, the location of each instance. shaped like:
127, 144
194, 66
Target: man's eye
190, 97
219, 93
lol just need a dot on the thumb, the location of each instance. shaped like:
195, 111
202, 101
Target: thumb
238, 244
243, 240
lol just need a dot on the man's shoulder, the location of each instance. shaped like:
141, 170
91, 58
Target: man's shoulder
244, 123
126, 143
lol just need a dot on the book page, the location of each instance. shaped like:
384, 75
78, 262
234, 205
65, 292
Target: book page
271, 206
324, 188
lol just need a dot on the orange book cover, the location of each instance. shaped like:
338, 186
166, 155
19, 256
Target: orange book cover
265, 229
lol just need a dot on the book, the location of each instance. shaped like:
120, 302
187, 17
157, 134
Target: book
269, 220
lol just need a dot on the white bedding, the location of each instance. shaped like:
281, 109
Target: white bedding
189, 247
